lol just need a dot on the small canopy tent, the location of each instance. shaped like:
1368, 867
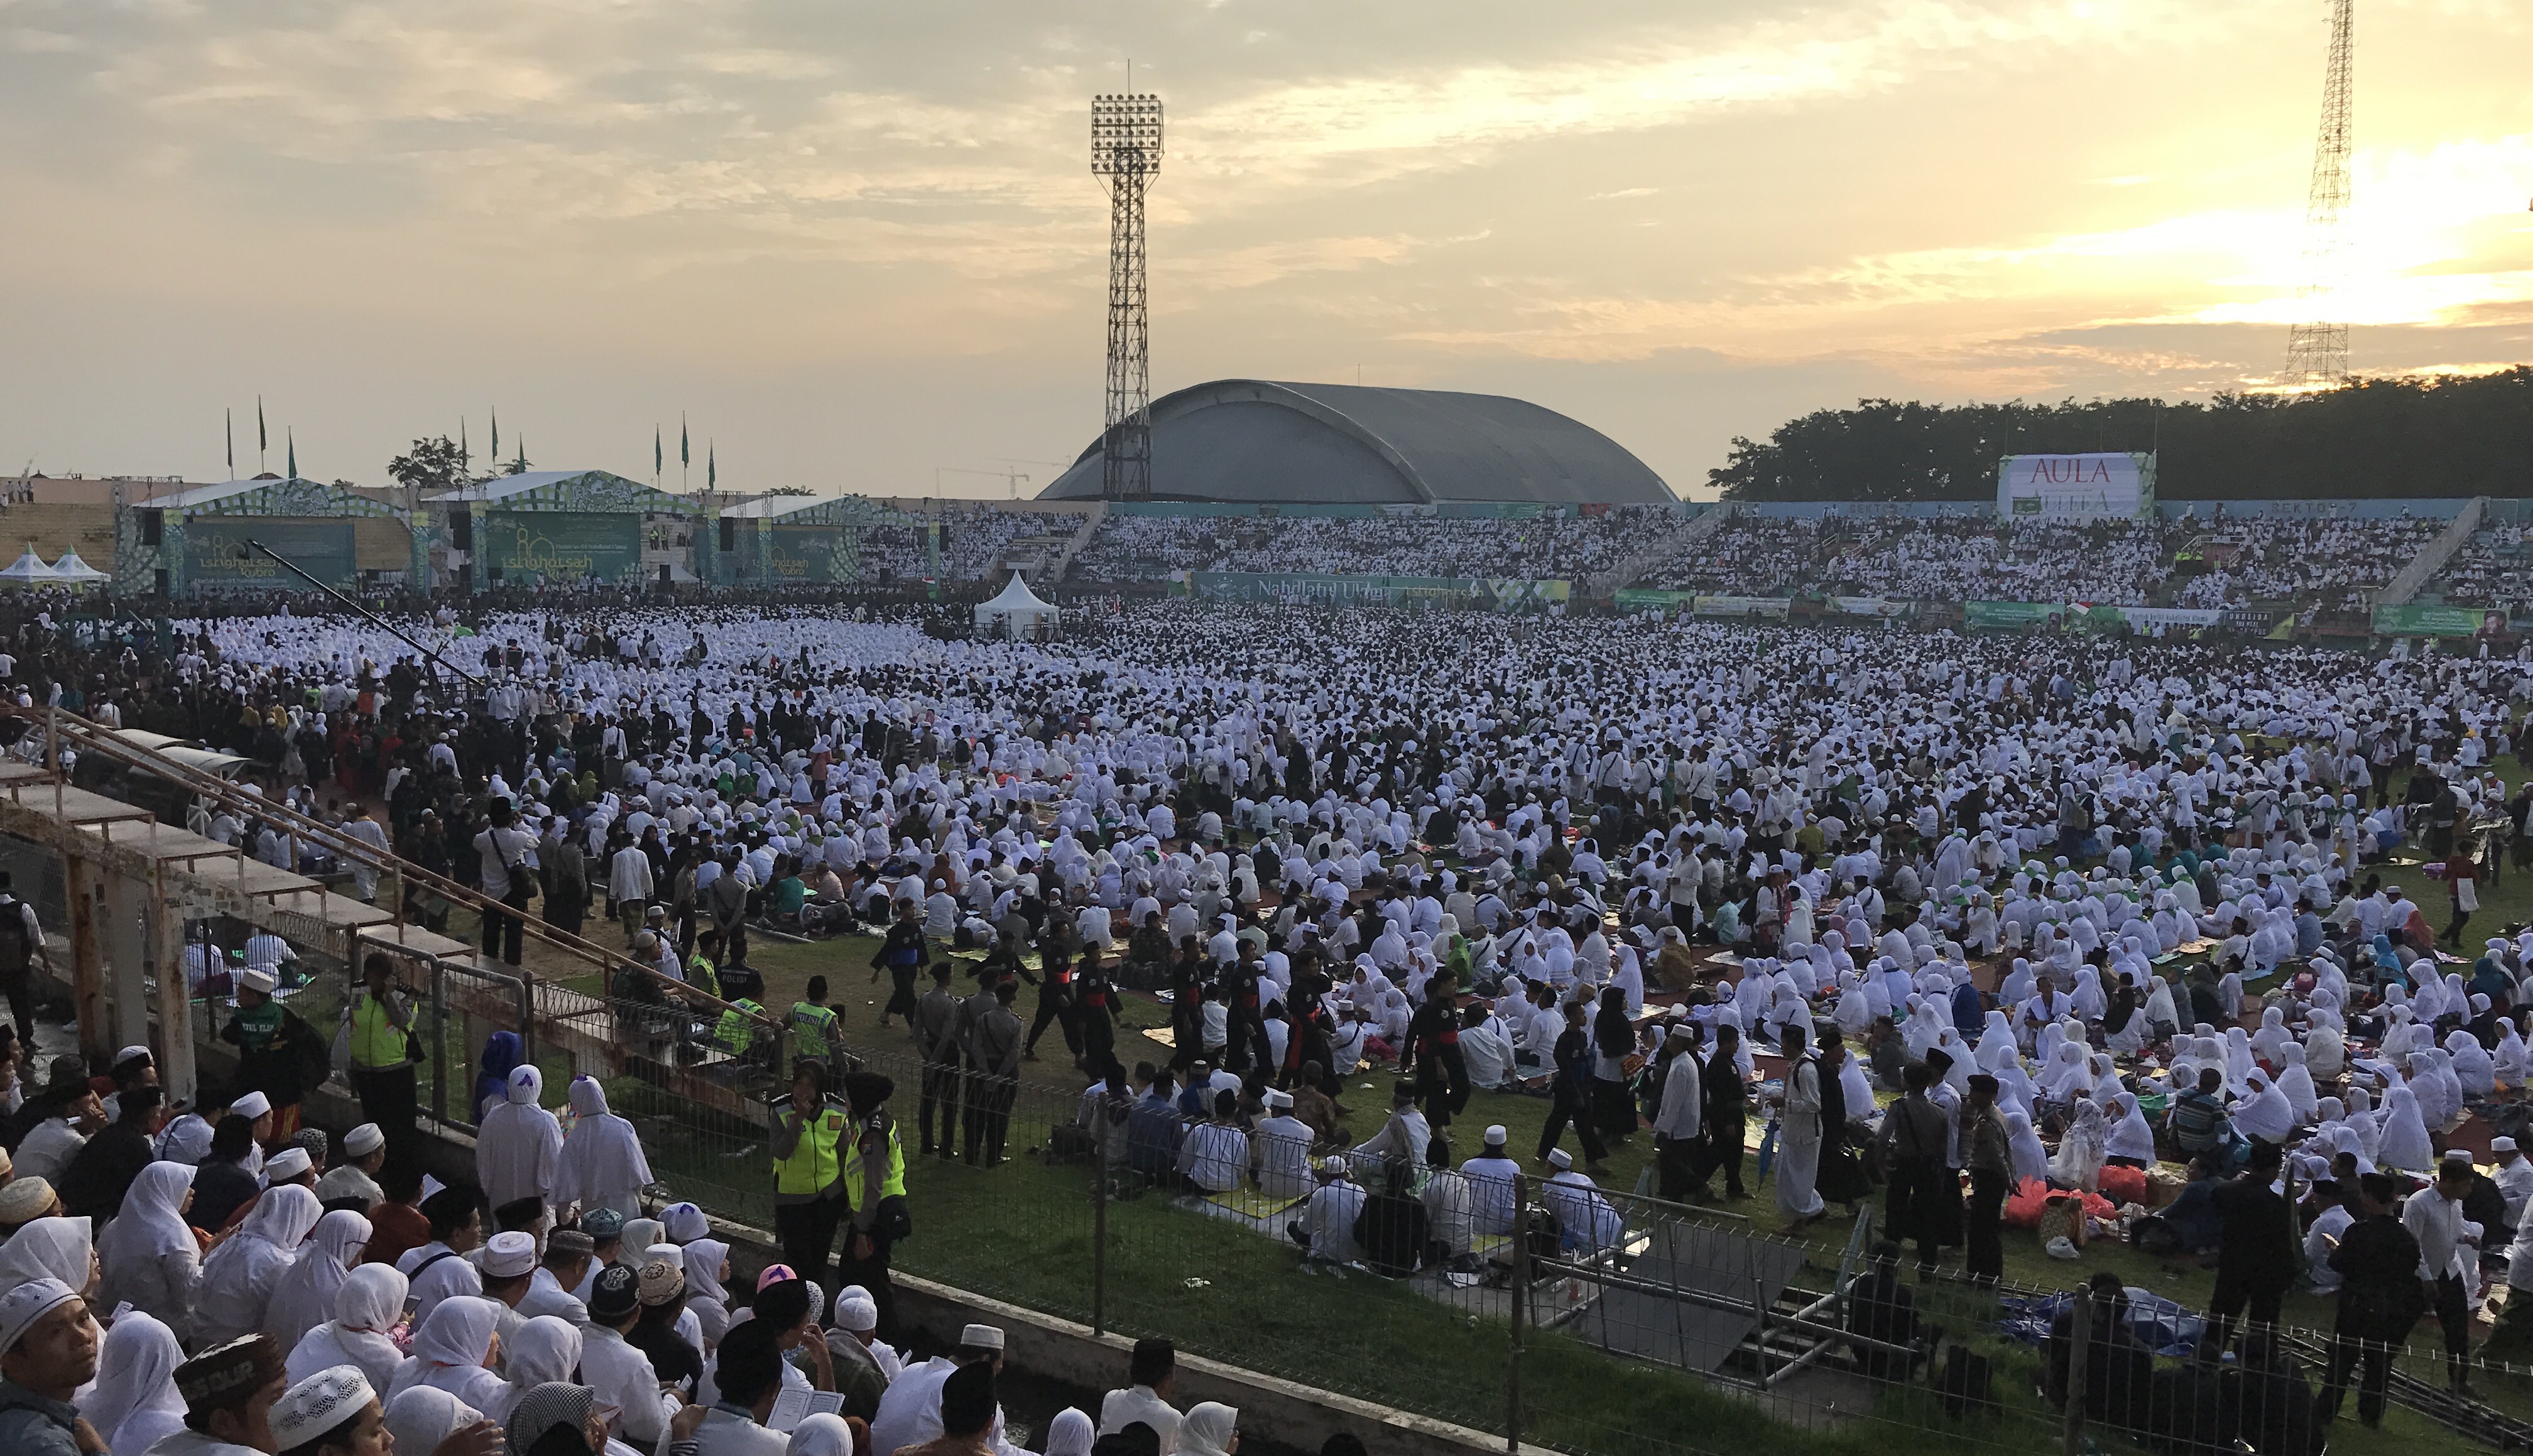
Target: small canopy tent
1017, 613
30, 570
72, 571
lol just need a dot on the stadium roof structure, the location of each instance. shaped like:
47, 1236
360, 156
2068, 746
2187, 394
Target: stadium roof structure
1257, 441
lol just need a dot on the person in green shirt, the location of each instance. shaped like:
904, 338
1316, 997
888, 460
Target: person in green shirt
788, 895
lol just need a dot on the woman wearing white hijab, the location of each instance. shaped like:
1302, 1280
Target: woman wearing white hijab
2082, 1150
453, 1350
602, 1164
367, 1305
2297, 1085
1069, 1435
2267, 1041
305, 1298
2325, 1048
2131, 1140
135, 1401
707, 1261
1210, 1430
422, 1418
2239, 1063
823, 1434
2472, 1065
2508, 1063
55, 1248
519, 1144
2265, 1115
545, 1351
152, 1261
2031, 1154
2404, 1144
239, 1278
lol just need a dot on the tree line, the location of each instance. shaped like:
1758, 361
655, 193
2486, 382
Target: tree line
2431, 436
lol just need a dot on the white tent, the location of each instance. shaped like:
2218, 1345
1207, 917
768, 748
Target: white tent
1017, 613
70, 568
30, 570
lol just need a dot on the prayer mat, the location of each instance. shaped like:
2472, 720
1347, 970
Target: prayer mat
1249, 1202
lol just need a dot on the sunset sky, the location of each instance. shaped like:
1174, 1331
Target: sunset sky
854, 243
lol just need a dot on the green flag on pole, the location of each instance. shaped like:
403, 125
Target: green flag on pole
294, 456
657, 457
685, 453
712, 469
228, 431
496, 434
262, 442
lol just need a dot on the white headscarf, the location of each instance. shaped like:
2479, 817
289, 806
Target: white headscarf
55, 1248
150, 1225
1069, 1435
450, 1350
601, 1163
519, 1144
828, 1435
2031, 1154
240, 1276
1208, 1427
2081, 1149
2404, 1144
545, 1351
304, 1297
422, 1417
135, 1401
367, 1305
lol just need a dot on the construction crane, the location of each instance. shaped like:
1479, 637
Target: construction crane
1017, 479
2317, 346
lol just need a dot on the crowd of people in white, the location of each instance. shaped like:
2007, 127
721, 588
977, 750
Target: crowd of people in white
1572, 547
2028, 885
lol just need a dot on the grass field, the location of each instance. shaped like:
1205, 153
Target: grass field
1024, 1233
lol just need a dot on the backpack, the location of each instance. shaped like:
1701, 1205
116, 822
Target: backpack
16, 947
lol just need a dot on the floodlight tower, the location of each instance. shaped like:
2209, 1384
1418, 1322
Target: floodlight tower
1126, 152
2317, 348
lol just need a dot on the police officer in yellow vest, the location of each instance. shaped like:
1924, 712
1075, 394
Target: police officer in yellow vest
816, 1029
874, 1177
736, 1032
809, 1146
380, 1021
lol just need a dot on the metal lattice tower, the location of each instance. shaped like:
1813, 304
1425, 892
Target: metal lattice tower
2317, 348
1125, 151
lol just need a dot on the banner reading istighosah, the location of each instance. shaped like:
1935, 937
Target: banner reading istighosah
2075, 488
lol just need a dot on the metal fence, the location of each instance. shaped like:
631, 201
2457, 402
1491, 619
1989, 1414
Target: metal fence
1540, 1311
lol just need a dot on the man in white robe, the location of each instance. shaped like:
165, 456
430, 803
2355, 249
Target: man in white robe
1799, 1135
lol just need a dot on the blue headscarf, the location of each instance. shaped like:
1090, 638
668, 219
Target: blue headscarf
502, 1054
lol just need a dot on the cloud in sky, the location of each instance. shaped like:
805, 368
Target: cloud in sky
862, 241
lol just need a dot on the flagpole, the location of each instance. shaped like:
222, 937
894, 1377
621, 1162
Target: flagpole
228, 432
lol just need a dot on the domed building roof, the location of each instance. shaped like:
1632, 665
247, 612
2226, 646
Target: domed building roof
1261, 442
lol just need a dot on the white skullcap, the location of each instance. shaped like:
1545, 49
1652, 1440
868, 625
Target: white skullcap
131, 1054
981, 1337
320, 1403
29, 1302
510, 1254
364, 1140
287, 1164
252, 1106
1560, 1159
684, 1222
1494, 1132
258, 980
856, 1311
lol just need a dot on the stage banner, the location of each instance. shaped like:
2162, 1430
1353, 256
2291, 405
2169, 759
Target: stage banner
217, 558
819, 555
1873, 606
560, 545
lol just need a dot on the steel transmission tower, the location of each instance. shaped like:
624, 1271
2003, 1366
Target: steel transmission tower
1125, 151
2317, 348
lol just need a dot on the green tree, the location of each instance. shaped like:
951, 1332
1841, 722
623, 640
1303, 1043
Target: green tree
2374, 438
431, 466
